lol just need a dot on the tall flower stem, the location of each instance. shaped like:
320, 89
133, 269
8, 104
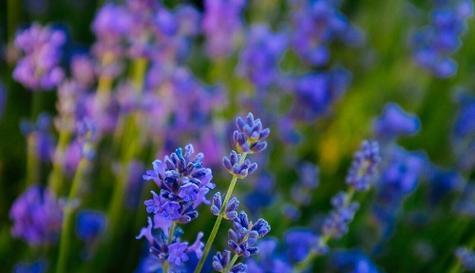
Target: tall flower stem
171, 232
68, 218
130, 142
56, 177
219, 219
32, 161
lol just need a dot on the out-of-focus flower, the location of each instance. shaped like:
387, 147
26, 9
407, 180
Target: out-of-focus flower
308, 181
298, 243
259, 61
466, 257
39, 68
40, 132
316, 93
83, 70
336, 224
90, 224
395, 122
364, 166
3, 99
221, 26
269, 259
37, 216
315, 25
466, 204
443, 182
463, 133
434, 44
353, 261
39, 266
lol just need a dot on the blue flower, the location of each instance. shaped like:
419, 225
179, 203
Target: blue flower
237, 168
466, 258
395, 122
250, 136
90, 224
364, 166
34, 267
230, 212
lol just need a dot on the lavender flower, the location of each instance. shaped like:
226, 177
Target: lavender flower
230, 212
353, 261
269, 259
364, 166
316, 93
40, 133
301, 192
221, 24
466, 257
395, 122
260, 58
298, 243
38, 69
184, 184
242, 241
316, 24
238, 167
250, 136
336, 224
90, 224
83, 70
37, 216
463, 133
38, 266
433, 45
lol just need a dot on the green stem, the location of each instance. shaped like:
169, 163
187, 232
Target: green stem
32, 161
230, 265
56, 177
219, 219
305, 263
68, 219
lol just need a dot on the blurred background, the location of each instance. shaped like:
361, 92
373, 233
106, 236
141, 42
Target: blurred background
322, 78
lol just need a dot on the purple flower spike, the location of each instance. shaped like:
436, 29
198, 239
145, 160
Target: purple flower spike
230, 212
250, 136
364, 166
37, 216
336, 225
244, 234
184, 184
237, 168
39, 68
395, 122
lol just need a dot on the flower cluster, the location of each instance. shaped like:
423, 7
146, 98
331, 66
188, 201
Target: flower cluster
364, 166
250, 136
39, 68
395, 122
90, 224
466, 257
259, 59
242, 241
37, 216
316, 24
221, 25
433, 45
184, 184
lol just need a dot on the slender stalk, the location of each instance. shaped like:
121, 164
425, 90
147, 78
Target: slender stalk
32, 161
56, 177
231, 264
305, 263
219, 219
68, 219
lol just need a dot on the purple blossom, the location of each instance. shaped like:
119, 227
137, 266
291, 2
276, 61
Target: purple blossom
316, 93
316, 24
463, 133
221, 261
352, 261
434, 44
298, 243
250, 136
90, 224
466, 257
238, 167
364, 166
38, 266
259, 61
395, 122
41, 136
230, 212
83, 70
184, 184
221, 25
39, 68
37, 216
336, 224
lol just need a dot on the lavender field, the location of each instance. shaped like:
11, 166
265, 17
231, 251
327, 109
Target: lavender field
234, 136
